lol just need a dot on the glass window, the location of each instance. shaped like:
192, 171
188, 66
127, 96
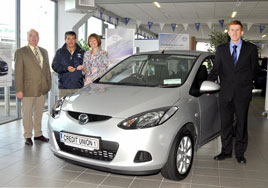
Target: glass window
94, 25
8, 47
41, 18
151, 70
81, 33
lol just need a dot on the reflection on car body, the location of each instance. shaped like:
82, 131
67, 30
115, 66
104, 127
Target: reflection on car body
3, 67
147, 114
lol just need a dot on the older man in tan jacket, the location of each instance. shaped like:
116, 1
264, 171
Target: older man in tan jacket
32, 83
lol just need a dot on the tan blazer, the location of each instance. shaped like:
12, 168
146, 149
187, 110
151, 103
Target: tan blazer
30, 78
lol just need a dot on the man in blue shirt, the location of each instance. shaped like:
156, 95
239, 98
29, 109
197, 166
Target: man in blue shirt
235, 64
68, 64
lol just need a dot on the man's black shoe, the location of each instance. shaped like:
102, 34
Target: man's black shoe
222, 156
241, 160
41, 138
28, 141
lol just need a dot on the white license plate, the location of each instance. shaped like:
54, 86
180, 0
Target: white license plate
83, 142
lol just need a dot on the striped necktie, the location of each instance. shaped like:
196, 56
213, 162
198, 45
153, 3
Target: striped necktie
37, 55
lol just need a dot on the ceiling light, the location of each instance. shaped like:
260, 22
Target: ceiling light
234, 14
157, 4
225, 31
263, 36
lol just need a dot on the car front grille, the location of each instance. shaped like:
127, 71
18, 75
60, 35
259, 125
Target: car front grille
107, 152
92, 117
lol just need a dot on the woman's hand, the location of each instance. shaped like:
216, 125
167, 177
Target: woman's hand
80, 67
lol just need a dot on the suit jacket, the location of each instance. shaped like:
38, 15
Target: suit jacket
235, 81
30, 78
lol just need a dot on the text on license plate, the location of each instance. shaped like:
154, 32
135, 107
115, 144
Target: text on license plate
78, 141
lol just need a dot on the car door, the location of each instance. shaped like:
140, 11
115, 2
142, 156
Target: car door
208, 104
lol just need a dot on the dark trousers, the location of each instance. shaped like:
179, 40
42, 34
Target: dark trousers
227, 110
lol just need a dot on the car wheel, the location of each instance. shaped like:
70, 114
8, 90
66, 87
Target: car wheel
180, 158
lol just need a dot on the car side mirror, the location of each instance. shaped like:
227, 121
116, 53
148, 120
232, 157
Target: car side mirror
209, 87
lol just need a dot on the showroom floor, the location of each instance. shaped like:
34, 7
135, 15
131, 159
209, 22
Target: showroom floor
36, 166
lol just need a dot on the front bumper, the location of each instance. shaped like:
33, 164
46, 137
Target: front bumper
156, 141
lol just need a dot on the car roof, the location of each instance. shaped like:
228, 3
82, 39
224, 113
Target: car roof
179, 52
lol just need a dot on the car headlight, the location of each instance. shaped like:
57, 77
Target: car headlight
55, 112
148, 119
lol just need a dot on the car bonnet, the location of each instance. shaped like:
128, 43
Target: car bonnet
120, 101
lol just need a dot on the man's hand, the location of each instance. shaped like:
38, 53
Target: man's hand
80, 67
71, 69
19, 95
103, 51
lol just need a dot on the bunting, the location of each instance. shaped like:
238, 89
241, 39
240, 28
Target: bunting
249, 25
150, 24
221, 22
138, 22
173, 26
161, 26
127, 20
185, 25
197, 26
262, 27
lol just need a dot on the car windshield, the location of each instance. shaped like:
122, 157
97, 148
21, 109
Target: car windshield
159, 70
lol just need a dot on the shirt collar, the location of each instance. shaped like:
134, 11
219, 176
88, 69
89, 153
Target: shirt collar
239, 44
32, 48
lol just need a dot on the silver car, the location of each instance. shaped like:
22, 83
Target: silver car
147, 114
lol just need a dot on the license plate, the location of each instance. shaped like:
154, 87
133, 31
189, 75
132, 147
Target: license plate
83, 142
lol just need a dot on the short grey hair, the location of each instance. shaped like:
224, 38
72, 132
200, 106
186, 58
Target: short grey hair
28, 33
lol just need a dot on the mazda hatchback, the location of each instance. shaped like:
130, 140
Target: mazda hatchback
146, 114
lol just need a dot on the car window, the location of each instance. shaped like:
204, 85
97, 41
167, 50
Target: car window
151, 70
201, 75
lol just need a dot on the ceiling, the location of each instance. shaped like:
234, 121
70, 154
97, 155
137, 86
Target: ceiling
205, 12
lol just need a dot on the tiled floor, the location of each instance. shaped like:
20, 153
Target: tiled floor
36, 166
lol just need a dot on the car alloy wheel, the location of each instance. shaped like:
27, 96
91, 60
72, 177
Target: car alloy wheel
184, 155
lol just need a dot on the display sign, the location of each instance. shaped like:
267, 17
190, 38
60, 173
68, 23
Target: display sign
119, 44
173, 41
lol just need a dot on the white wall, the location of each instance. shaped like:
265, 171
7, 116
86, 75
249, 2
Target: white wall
66, 21
264, 51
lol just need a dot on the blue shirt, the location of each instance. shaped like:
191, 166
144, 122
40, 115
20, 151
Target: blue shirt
238, 49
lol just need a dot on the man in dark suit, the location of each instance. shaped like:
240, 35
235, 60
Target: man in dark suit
235, 64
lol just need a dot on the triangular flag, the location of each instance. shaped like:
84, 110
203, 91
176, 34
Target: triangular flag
173, 26
249, 25
138, 22
117, 21
262, 46
127, 20
197, 26
161, 26
262, 27
221, 22
150, 24
101, 15
209, 25
110, 19
185, 25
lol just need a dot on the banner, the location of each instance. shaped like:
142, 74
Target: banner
173, 41
119, 43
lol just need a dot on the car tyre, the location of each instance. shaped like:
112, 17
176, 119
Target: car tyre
181, 156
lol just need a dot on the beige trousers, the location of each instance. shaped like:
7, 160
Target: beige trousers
64, 92
32, 109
